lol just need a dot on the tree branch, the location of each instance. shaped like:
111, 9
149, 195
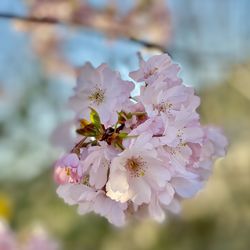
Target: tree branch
32, 19
54, 21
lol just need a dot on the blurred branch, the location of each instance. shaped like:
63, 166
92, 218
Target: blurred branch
43, 20
54, 21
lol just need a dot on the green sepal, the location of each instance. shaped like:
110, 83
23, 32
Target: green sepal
123, 135
89, 130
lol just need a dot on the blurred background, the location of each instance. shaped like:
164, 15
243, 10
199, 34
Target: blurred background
38, 60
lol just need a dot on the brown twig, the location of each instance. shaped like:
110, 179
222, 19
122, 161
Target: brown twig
54, 21
32, 19
77, 147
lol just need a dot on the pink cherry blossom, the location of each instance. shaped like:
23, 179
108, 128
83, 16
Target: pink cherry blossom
136, 172
213, 146
60, 175
97, 164
7, 238
101, 89
69, 163
160, 200
88, 199
186, 187
185, 127
157, 67
40, 240
163, 99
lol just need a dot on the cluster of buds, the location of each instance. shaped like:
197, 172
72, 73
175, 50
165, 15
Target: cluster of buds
136, 156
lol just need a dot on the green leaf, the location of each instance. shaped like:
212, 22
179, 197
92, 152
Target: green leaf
95, 119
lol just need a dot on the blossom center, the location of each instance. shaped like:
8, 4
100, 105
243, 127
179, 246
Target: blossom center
136, 166
150, 72
85, 180
106, 163
72, 174
163, 106
97, 96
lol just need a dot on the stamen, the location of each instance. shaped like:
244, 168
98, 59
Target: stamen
163, 107
68, 171
180, 133
136, 166
97, 96
106, 163
85, 180
150, 72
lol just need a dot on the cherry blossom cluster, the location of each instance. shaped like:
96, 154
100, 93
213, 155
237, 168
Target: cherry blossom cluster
136, 156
